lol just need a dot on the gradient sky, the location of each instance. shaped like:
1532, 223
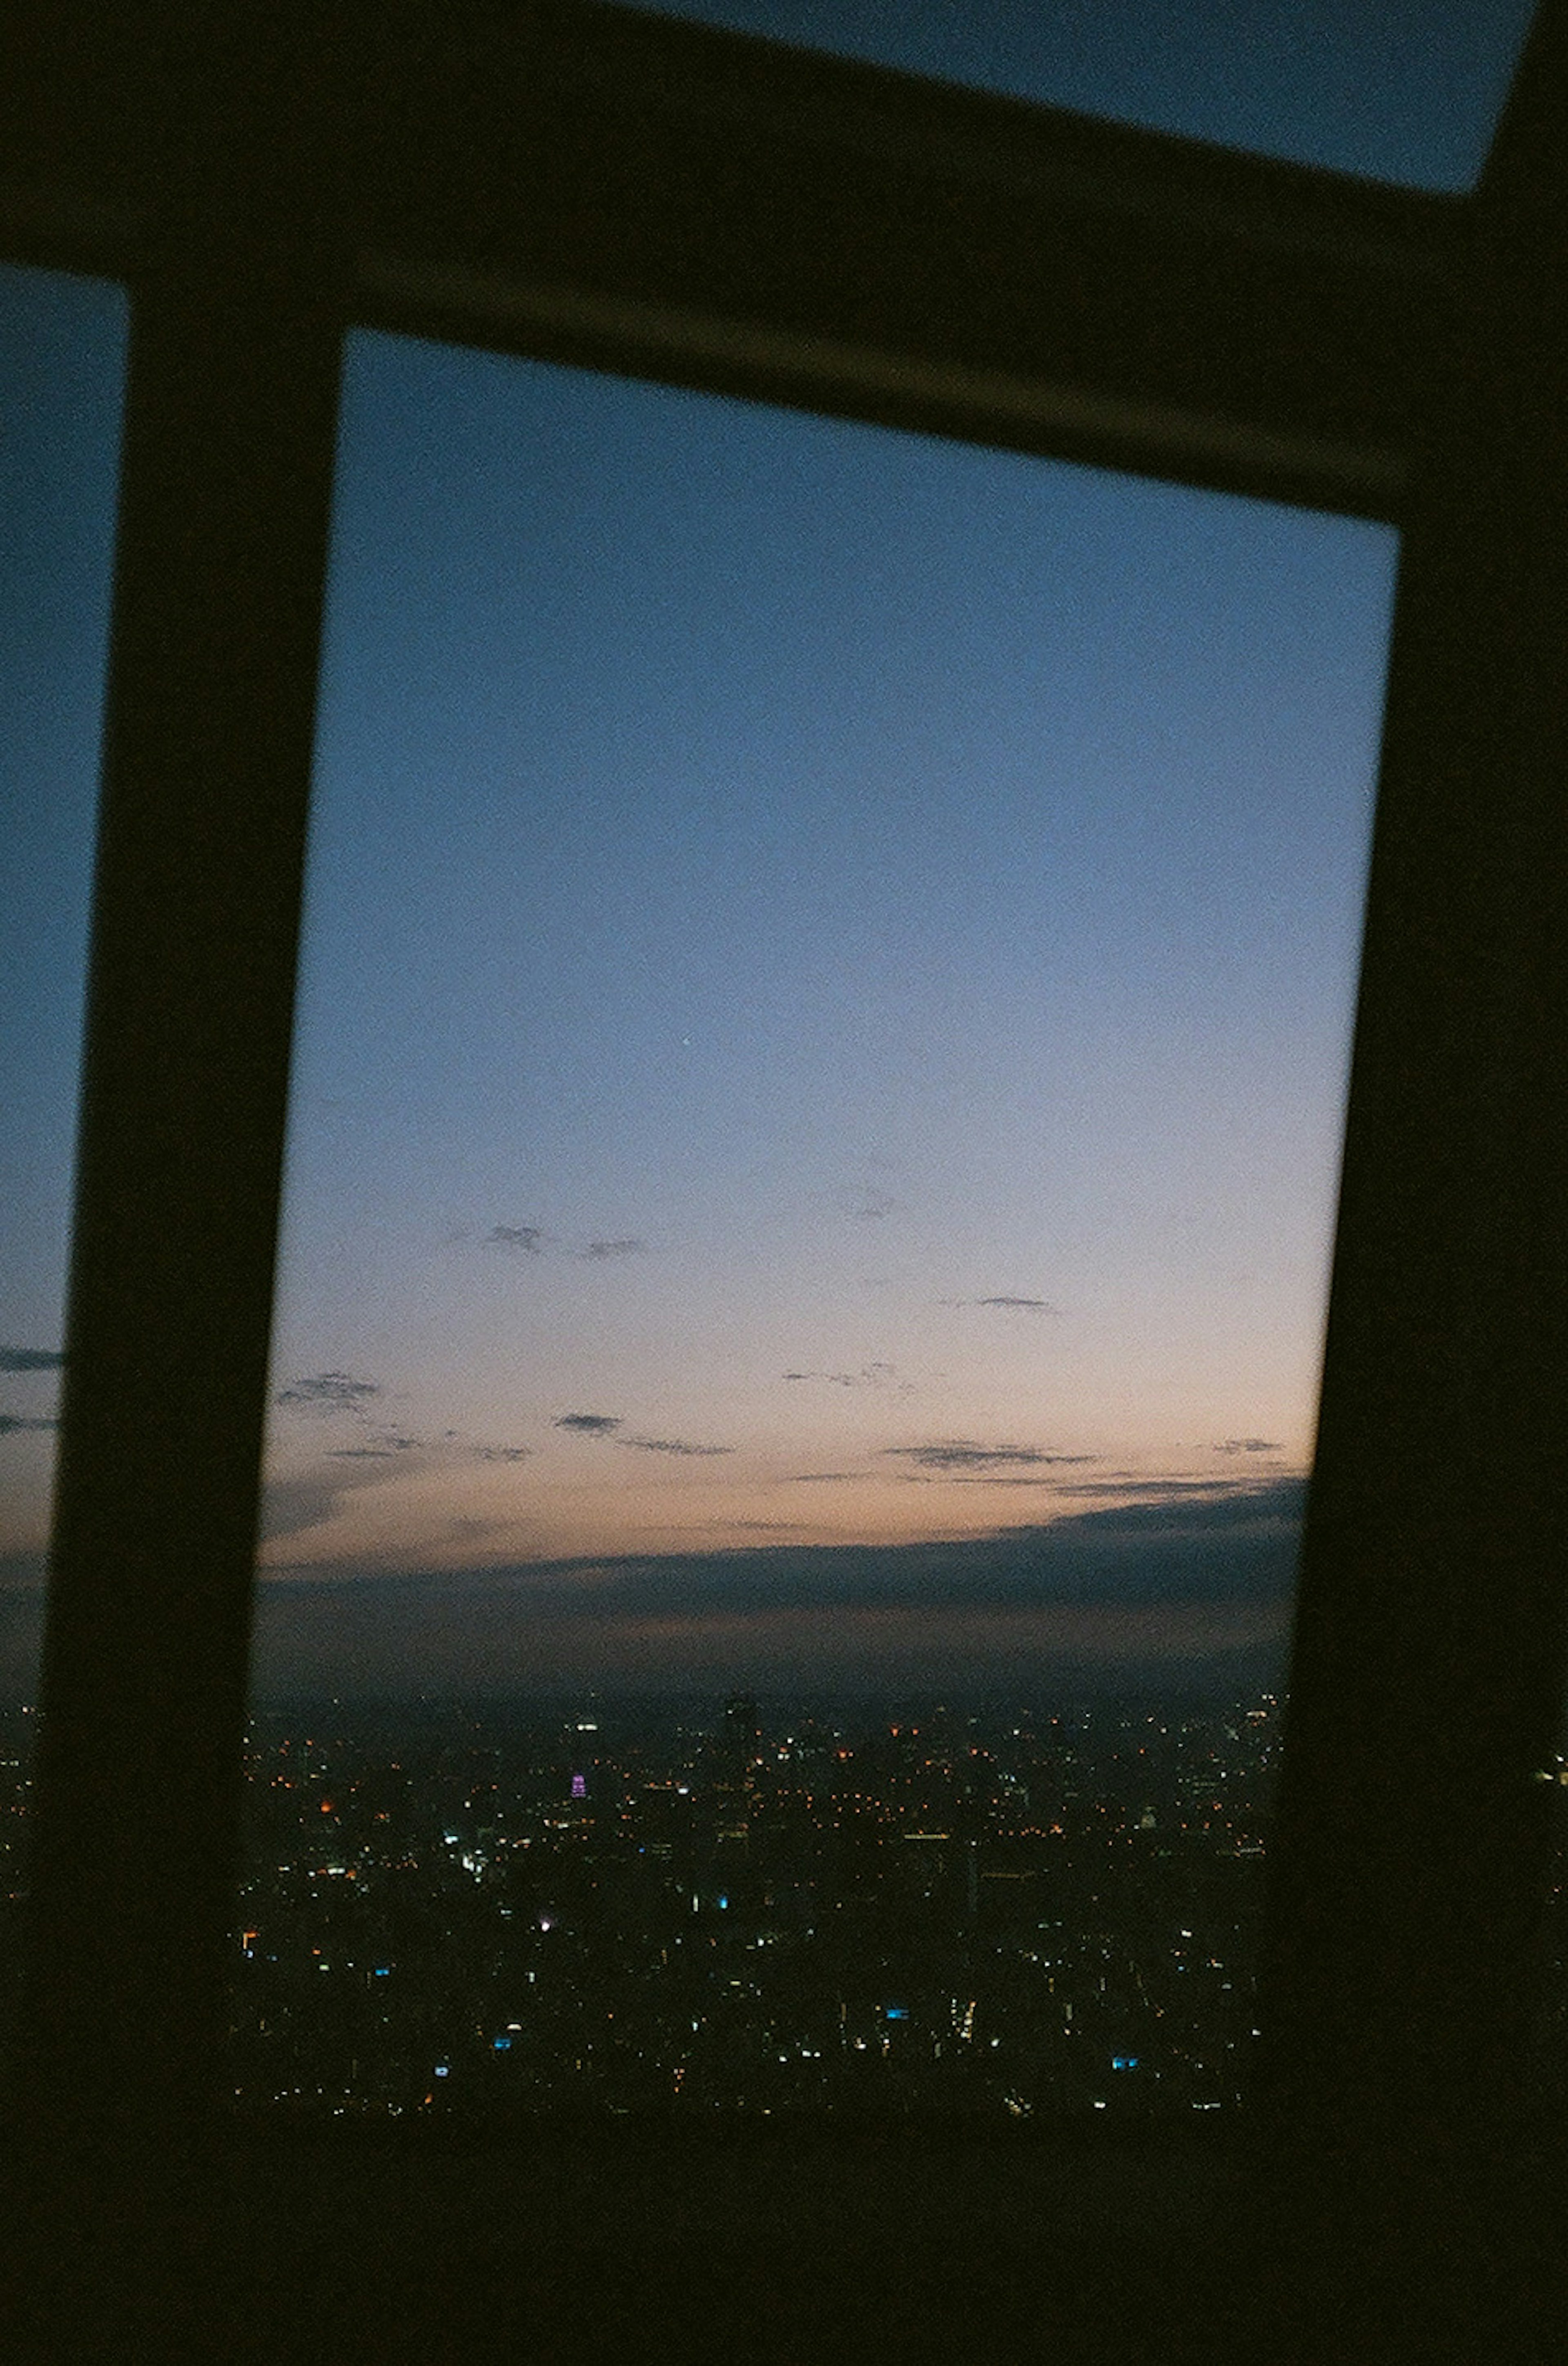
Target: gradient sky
828, 968
62, 363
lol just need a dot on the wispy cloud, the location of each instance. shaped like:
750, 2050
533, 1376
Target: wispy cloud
1020, 1305
30, 1359
1249, 1445
330, 1392
822, 1478
381, 1445
607, 1425
671, 1446
1158, 1491
963, 1453
502, 1453
527, 1239
870, 1375
11, 1421
533, 1240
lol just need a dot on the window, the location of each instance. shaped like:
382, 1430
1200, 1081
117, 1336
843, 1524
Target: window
825, 1001
529, 183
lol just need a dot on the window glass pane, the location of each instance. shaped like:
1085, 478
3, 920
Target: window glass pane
61, 373
1408, 91
826, 991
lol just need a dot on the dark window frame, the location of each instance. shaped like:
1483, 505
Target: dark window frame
574, 182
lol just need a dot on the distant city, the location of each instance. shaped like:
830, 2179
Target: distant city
711, 1910
749, 1908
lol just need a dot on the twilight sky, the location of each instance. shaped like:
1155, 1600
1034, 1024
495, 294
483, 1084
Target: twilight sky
828, 970
828, 977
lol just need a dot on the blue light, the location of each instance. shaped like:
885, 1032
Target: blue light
503, 2045
383, 1971
897, 2012
724, 1901
1124, 2062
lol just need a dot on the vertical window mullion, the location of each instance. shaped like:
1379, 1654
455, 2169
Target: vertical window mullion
1425, 1681
230, 426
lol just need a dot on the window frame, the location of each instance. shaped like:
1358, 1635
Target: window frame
594, 185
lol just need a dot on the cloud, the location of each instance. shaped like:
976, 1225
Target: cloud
1136, 1553
291, 1505
822, 1478
330, 1392
602, 1249
670, 1446
1161, 1590
1250, 1446
589, 1424
1011, 1479
361, 1454
1022, 1305
870, 1375
863, 1202
502, 1453
30, 1359
962, 1454
528, 1238
1159, 1490
11, 1421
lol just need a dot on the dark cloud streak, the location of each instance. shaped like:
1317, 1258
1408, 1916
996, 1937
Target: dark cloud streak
671, 1446
330, 1392
963, 1453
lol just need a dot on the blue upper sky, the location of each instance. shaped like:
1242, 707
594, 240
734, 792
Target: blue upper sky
1394, 90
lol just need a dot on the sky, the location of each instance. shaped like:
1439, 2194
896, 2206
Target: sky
828, 968
62, 363
1394, 90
